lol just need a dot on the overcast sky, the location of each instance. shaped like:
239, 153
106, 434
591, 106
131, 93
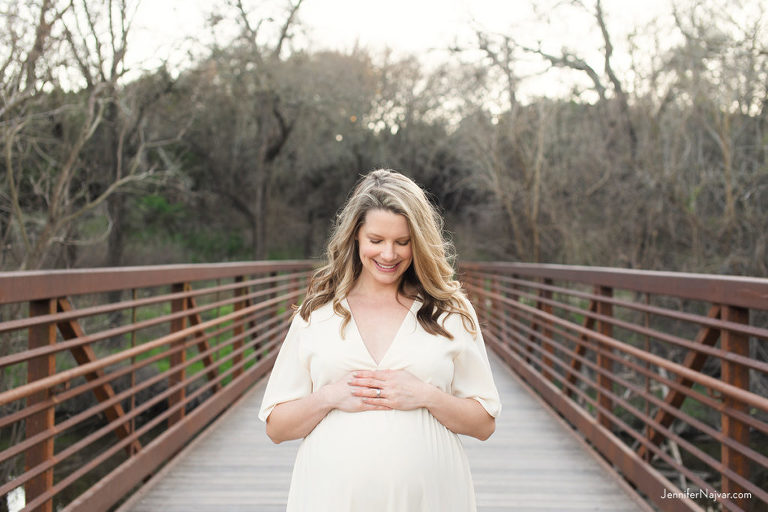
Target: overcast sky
422, 27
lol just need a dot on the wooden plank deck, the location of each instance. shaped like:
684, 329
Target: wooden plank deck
532, 462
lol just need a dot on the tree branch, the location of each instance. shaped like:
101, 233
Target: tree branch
617, 87
284, 30
15, 204
95, 111
96, 40
285, 130
251, 32
42, 32
567, 60
505, 66
104, 195
84, 69
237, 202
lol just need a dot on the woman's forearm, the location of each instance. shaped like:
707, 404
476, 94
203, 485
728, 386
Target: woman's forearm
401, 390
460, 415
297, 418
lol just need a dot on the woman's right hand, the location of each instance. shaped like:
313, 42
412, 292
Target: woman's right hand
341, 395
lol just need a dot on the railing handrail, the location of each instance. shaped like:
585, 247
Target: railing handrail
156, 352
79, 371
20, 286
525, 309
748, 292
600, 357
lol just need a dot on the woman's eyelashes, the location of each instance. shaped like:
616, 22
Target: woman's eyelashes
403, 243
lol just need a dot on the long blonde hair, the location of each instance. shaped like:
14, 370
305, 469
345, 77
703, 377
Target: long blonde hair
430, 274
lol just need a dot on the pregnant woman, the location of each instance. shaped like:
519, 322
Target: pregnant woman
383, 365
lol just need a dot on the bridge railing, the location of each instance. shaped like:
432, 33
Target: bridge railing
106, 373
665, 374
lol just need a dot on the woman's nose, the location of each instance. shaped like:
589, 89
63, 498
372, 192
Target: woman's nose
388, 251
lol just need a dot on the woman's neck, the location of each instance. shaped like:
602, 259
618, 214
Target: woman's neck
372, 289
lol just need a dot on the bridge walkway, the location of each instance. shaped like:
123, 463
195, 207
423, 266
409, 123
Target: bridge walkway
533, 461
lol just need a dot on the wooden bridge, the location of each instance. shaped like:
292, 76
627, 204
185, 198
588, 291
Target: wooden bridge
137, 388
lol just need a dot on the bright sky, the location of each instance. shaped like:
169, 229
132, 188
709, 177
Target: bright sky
418, 25
423, 27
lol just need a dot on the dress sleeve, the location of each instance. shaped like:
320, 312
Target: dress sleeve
472, 376
290, 378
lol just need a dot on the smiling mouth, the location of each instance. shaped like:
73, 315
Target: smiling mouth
385, 268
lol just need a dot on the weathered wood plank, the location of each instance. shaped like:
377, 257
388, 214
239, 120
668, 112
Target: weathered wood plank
532, 462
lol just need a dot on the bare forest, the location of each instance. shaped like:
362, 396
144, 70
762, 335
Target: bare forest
656, 160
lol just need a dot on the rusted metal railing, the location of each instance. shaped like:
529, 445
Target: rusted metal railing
664, 373
106, 373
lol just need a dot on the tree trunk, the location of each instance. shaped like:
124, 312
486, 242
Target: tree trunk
115, 201
260, 249
116, 241
725, 144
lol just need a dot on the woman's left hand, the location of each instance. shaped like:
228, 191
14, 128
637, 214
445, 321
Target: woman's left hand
399, 389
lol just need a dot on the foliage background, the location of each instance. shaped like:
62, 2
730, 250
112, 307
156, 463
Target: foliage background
248, 149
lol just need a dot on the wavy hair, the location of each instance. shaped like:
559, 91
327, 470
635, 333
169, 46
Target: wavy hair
430, 275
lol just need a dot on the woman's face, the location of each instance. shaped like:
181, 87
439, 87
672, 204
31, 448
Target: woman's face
384, 242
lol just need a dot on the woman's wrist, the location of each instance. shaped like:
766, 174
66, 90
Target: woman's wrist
324, 398
431, 396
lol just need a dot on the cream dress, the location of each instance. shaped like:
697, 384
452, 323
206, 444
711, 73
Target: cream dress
380, 461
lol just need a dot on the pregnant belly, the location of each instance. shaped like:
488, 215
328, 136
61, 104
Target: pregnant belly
381, 456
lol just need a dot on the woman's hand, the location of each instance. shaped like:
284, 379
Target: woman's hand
399, 389
345, 395
295, 419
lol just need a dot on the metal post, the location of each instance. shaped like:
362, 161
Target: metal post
496, 309
546, 333
38, 368
647, 346
133, 371
239, 328
735, 374
177, 360
604, 383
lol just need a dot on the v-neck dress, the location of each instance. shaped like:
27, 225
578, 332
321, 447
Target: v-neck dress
380, 461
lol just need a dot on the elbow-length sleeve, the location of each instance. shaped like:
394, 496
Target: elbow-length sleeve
290, 378
472, 376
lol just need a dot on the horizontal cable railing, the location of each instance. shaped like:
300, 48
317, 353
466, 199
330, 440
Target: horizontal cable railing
664, 373
106, 373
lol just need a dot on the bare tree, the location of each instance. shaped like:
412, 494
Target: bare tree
724, 55
239, 156
47, 122
513, 155
568, 59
